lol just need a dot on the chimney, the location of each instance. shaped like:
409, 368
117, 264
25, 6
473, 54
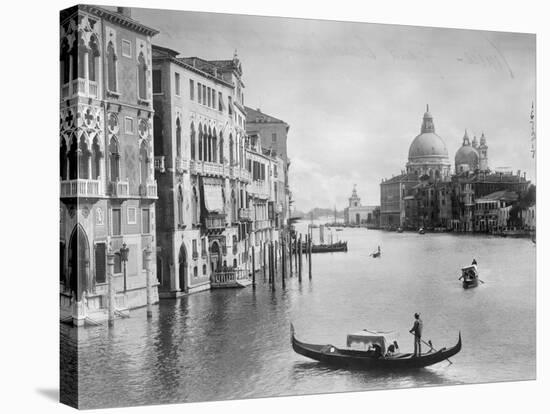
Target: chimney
125, 11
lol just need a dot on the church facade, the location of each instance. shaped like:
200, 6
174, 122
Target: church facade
356, 214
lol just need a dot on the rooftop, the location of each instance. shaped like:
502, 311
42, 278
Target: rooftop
257, 116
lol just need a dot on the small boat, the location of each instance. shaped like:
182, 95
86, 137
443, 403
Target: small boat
328, 248
470, 277
400, 230
367, 350
376, 254
421, 230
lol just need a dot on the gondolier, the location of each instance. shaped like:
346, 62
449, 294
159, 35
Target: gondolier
416, 330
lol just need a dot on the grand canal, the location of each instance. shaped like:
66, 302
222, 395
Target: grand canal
228, 344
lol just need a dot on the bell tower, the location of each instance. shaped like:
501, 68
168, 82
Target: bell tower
483, 157
354, 200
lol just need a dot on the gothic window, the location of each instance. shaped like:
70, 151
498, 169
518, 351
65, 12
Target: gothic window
144, 162
93, 58
96, 159
221, 148
83, 159
73, 151
192, 135
214, 146
231, 144
180, 206
233, 206
195, 206
200, 142
63, 160
65, 59
178, 137
111, 68
142, 77
74, 60
157, 135
80, 60
209, 146
114, 160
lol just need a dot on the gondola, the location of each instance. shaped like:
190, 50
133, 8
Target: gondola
400, 229
421, 230
470, 277
376, 254
371, 359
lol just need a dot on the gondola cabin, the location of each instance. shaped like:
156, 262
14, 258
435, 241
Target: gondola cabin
366, 340
470, 277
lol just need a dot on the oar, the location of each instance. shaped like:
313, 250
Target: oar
431, 347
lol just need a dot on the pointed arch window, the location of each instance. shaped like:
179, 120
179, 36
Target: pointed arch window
114, 160
200, 142
192, 135
231, 144
214, 146
83, 159
178, 137
111, 68
180, 206
63, 160
73, 158
142, 77
195, 206
157, 134
96, 159
221, 148
209, 146
65, 62
93, 58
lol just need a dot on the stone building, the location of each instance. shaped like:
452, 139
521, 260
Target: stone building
200, 165
108, 190
356, 214
272, 135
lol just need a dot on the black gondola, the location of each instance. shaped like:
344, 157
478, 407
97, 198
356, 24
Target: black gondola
326, 248
470, 277
371, 359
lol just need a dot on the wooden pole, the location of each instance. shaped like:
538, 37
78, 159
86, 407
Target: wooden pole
264, 244
309, 254
290, 254
253, 267
296, 253
283, 262
110, 272
148, 282
300, 255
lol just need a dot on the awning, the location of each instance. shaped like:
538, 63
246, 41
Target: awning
213, 198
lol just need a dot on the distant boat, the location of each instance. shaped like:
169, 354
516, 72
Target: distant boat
421, 230
400, 230
376, 254
340, 246
367, 350
470, 277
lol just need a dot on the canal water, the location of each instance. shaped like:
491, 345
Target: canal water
233, 344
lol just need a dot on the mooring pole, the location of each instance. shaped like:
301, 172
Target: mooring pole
290, 255
253, 267
148, 282
300, 255
283, 260
263, 244
309, 254
110, 272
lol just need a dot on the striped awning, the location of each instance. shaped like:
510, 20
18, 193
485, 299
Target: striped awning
213, 198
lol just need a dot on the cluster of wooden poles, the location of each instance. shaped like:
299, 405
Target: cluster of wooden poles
284, 257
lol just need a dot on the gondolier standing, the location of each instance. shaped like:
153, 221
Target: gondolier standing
416, 330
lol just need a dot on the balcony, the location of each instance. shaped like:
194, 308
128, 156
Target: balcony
215, 222
262, 224
82, 87
119, 189
159, 164
230, 278
245, 175
181, 165
148, 190
208, 168
81, 188
245, 214
259, 189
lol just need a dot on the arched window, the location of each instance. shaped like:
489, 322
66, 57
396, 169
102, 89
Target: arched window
142, 77
221, 148
96, 159
214, 146
74, 61
111, 68
93, 58
144, 162
209, 146
178, 137
200, 142
157, 135
233, 206
231, 144
180, 206
195, 206
81, 50
114, 160
83, 159
63, 160
192, 136
65, 59
73, 158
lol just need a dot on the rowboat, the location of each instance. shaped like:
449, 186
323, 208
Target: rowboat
421, 230
376, 254
327, 248
357, 354
470, 277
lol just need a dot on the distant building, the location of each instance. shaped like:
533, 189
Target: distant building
486, 210
356, 214
392, 199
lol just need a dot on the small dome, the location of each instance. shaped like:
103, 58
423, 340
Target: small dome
428, 144
467, 154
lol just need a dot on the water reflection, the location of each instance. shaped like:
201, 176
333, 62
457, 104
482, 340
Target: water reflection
227, 344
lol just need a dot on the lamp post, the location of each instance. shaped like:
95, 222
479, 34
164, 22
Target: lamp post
124, 250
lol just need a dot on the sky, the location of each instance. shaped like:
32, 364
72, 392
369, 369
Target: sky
354, 93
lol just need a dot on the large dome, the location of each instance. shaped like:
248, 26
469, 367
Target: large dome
467, 154
428, 145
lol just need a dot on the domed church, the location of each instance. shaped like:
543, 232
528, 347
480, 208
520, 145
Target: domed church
471, 156
428, 153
